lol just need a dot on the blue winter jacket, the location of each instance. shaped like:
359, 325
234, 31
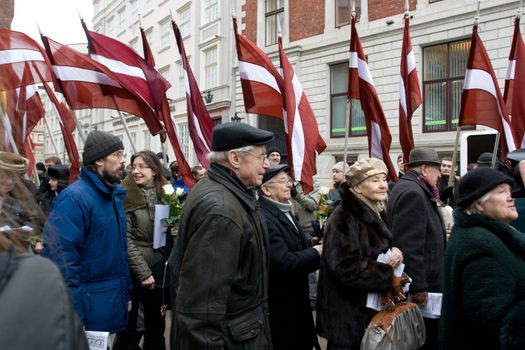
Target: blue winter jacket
85, 235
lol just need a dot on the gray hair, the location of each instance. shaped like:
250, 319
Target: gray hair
222, 156
472, 209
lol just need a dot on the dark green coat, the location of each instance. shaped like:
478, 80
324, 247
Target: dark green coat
484, 285
220, 266
139, 219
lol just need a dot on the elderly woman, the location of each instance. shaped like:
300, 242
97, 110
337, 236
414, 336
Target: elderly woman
484, 286
292, 258
354, 236
18, 206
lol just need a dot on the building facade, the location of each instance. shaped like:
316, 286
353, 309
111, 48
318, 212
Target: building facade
316, 40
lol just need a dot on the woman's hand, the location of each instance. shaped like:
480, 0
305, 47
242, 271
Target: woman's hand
148, 283
395, 258
319, 248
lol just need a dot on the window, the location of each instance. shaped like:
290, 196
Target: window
338, 96
211, 10
110, 26
184, 139
165, 72
444, 68
147, 139
274, 12
134, 44
134, 9
149, 37
343, 11
148, 5
210, 68
184, 22
121, 19
165, 34
96, 7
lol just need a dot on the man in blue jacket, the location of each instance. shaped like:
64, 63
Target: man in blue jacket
85, 235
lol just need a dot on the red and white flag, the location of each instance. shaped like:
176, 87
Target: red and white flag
481, 100
169, 125
86, 83
132, 72
67, 126
361, 87
17, 50
24, 110
303, 138
200, 124
261, 82
409, 92
514, 83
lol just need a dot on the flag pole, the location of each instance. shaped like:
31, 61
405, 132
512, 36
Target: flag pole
51, 136
495, 150
9, 131
407, 8
348, 112
126, 129
232, 71
454, 158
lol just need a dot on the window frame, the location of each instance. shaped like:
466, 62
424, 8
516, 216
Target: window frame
211, 83
185, 21
279, 13
211, 11
448, 81
165, 34
336, 12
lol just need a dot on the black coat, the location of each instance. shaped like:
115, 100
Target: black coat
291, 260
484, 287
353, 238
418, 230
220, 268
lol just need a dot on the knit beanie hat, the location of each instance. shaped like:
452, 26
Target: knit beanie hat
98, 145
477, 182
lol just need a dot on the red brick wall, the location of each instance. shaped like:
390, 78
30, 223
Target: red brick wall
307, 18
250, 8
6, 13
384, 8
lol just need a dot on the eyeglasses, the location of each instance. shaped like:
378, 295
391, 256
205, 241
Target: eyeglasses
282, 181
118, 154
262, 157
7, 176
139, 167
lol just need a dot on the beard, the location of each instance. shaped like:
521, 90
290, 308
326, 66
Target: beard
115, 177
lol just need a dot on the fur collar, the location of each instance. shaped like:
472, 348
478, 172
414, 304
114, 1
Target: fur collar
134, 196
512, 238
360, 210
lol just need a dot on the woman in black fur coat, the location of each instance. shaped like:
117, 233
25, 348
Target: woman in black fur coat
354, 236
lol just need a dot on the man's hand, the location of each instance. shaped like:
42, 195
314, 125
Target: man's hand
148, 283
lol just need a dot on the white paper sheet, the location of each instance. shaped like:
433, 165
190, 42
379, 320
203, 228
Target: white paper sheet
97, 340
159, 227
373, 300
433, 307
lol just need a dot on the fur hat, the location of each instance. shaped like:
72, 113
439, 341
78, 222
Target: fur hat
339, 166
98, 145
477, 182
363, 169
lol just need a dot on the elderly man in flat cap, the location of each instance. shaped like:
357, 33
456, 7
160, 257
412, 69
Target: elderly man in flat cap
85, 235
418, 230
220, 260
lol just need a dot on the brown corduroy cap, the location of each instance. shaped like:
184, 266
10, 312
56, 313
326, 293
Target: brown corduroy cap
363, 169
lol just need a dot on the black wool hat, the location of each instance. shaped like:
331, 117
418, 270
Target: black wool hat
485, 159
271, 172
58, 172
98, 145
230, 136
477, 182
272, 149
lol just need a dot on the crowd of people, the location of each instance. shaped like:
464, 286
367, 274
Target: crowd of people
249, 260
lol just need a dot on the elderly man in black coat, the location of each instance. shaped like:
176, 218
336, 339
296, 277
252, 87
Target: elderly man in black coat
418, 230
220, 260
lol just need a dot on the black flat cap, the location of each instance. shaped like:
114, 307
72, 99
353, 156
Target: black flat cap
58, 172
236, 135
271, 172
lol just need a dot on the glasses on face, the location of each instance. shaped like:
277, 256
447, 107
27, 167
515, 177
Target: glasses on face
118, 154
7, 176
139, 167
282, 181
261, 157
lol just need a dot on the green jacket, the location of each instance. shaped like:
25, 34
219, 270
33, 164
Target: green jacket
484, 285
141, 255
